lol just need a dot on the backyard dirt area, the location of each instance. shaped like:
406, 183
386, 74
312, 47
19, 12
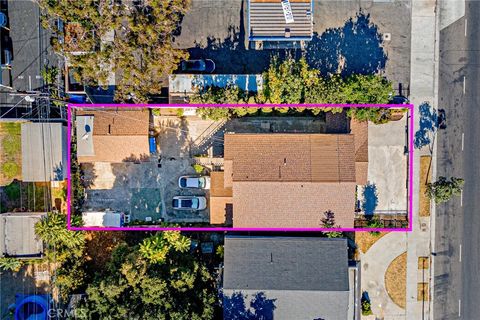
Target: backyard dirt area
396, 280
10, 152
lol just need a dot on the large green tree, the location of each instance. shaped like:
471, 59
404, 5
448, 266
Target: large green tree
141, 53
294, 82
159, 279
443, 190
65, 249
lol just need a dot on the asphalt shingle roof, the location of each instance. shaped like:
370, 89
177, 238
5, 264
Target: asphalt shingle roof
300, 277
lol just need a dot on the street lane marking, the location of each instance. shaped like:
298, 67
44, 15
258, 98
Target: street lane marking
459, 307
463, 84
466, 27
461, 198
460, 254
463, 140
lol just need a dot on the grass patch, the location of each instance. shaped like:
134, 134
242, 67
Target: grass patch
11, 145
11, 128
10, 152
425, 178
422, 291
365, 240
10, 169
396, 280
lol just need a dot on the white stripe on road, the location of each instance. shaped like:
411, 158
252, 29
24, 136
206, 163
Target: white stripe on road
463, 140
459, 308
461, 198
463, 84
466, 27
460, 254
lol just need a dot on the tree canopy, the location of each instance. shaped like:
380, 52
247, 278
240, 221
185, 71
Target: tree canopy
140, 54
443, 190
293, 82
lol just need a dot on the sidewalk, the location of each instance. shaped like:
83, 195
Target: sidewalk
374, 266
423, 88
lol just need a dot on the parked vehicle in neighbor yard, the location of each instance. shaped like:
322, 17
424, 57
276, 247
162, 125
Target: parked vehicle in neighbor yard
200, 65
399, 100
441, 119
189, 203
187, 182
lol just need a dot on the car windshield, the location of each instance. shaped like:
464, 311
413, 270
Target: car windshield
194, 203
193, 65
175, 203
201, 182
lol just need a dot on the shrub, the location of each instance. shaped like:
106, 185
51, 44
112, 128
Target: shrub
10, 169
13, 191
157, 112
10, 264
198, 168
179, 112
11, 145
220, 251
374, 223
366, 308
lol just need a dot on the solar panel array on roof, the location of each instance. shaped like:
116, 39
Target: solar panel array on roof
269, 21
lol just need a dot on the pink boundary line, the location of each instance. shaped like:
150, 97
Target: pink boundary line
411, 112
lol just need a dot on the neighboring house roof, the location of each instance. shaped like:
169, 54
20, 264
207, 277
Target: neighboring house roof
17, 234
301, 277
44, 152
221, 200
115, 135
267, 20
181, 86
102, 219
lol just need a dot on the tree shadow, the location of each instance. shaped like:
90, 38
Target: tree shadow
427, 125
235, 308
370, 198
336, 50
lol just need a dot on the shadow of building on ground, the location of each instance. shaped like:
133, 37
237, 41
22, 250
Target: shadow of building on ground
355, 48
334, 51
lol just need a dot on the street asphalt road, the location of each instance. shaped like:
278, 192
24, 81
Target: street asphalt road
457, 247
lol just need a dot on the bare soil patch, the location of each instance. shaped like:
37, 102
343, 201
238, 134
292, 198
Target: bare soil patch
396, 280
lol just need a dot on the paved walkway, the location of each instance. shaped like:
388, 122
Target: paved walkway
374, 265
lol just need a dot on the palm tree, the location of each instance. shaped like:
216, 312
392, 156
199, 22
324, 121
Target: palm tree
53, 230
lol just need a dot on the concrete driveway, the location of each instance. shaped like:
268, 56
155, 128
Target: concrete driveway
387, 165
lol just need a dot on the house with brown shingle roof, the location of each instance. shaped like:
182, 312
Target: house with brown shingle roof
290, 180
112, 135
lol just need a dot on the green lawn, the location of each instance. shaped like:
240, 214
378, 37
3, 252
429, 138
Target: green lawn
10, 152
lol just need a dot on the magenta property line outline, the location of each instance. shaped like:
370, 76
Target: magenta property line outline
410, 107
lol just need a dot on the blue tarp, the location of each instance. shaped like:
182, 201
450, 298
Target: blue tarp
153, 145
